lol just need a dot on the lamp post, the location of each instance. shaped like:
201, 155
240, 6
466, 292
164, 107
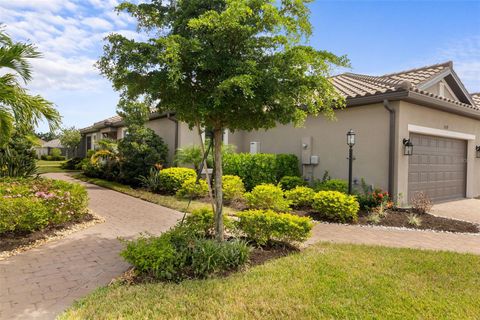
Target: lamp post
350, 143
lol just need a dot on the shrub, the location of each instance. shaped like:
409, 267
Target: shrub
178, 254
300, 197
232, 187
171, 179
336, 206
263, 226
72, 164
28, 205
151, 181
290, 182
191, 188
332, 185
421, 203
139, 151
267, 196
372, 200
255, 169
55, 153
17, 157
201, 222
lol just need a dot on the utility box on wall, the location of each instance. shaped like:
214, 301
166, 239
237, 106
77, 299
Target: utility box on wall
254, 147
306, 150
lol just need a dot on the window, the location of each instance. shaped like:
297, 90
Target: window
89, 142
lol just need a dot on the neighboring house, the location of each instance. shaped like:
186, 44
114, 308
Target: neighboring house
45, 147
429, 105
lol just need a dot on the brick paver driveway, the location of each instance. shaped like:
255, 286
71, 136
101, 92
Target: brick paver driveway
42, 282
465, 209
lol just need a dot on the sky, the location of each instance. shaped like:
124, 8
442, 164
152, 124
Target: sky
378, 37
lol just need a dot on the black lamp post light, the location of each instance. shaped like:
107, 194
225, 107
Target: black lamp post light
350, 143
478, 151
407, 147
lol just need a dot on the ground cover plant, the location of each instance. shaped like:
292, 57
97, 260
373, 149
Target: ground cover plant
325, 281
31, 204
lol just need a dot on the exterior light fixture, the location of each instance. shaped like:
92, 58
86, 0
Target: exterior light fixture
350, 143
407, 147
478, 151
350, 138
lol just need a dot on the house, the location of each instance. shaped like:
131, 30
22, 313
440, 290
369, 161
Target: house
46, 147
427, 107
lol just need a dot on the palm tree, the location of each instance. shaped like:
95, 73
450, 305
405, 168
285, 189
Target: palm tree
18, 109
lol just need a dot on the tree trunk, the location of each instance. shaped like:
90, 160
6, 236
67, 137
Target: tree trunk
217, 144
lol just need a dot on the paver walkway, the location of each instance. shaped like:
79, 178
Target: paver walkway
41, 283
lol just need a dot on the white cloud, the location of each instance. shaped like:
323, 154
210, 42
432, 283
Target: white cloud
465, 54
97, 23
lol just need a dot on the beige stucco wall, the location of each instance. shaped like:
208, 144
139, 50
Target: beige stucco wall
165, 128
370, 123
448, 123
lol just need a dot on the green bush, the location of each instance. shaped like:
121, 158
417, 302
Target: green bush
267, 196
17, 157
290, 182
255, 169
28, 205
332, 185
171, 179
72, 164
191, 189
138, 152
178, 254
55, 152
336, 206
263, 226
232, 187
300, 197
201, 222
151, 181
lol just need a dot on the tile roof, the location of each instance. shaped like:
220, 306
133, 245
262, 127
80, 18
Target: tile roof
352, 85
476, 98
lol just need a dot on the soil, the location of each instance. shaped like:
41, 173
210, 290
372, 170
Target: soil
13, 241
261, 255
399, 219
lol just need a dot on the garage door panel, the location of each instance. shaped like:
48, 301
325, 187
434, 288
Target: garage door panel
437, 167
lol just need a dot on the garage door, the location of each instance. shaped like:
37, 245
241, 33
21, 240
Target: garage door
437, 167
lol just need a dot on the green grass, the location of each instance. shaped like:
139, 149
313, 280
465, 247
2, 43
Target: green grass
326, 281
171, 202
49, 166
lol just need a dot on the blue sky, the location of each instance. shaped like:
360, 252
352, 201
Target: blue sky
378, 37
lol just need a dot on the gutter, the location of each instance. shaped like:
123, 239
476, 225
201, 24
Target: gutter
391, 147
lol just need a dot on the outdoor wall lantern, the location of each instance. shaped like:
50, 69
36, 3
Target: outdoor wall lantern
407, 147
478, 152
350, 143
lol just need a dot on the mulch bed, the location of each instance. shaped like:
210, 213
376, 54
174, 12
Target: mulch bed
10, 242
399, 219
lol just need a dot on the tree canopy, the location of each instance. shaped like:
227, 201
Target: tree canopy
70, 138
224, 64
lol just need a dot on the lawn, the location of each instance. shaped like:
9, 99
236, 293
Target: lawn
326, 281
49, 166
171, 202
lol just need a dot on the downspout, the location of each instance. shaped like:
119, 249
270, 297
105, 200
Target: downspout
392, 147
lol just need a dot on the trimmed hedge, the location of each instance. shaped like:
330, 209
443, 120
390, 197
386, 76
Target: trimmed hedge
332, 185
336, 206
255, 169
192, 189
232, 188
28, 205
300, 197
267, 196
171, 179
263, 226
